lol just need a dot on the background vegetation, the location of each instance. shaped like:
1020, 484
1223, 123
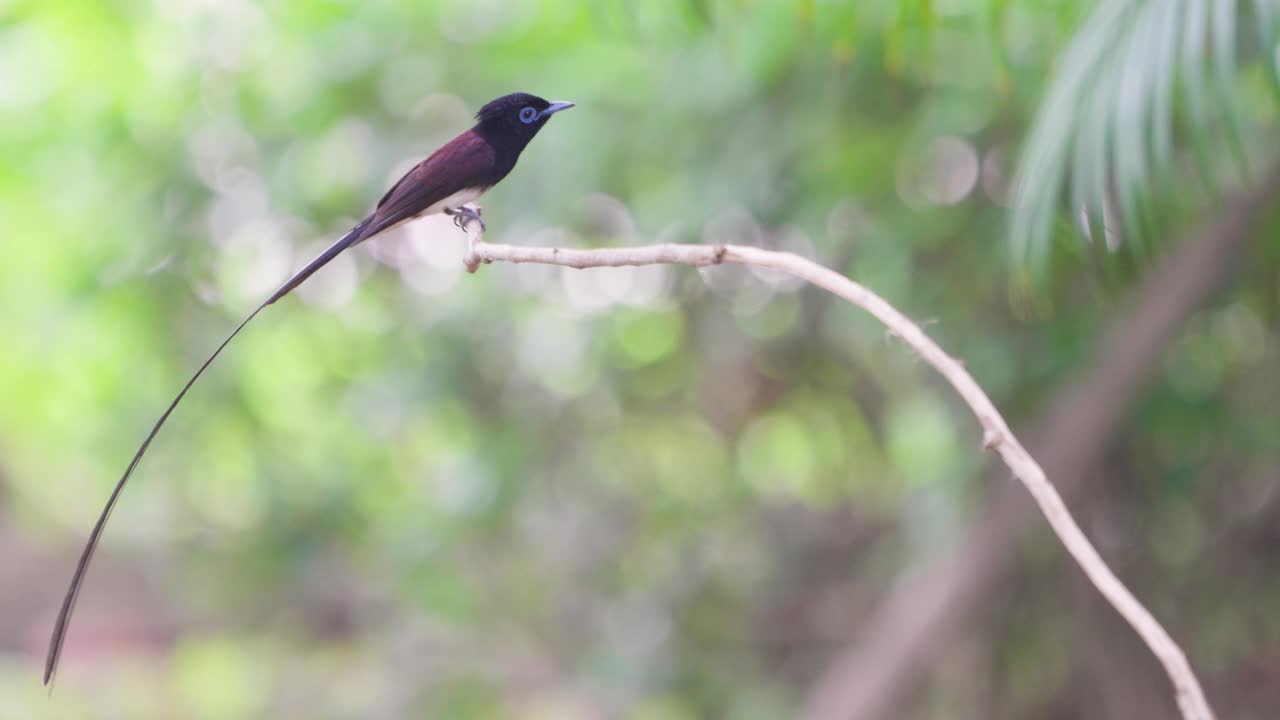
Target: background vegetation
653, 494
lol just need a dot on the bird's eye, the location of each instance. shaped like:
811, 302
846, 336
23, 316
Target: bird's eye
528, 115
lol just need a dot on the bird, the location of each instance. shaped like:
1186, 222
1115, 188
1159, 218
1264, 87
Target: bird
456, 174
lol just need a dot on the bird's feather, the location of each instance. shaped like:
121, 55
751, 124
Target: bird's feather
463, 167
457, 173
465, 163
452, 176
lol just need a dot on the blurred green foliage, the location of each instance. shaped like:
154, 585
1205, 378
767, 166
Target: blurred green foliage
540, 493
1139, 75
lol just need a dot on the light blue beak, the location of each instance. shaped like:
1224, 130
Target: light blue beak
554, 108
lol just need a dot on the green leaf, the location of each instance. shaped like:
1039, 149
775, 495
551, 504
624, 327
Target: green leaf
1163, 74
1108, 117
1044, 162
1265, 18
1130, 120
1195, 28
1224, 65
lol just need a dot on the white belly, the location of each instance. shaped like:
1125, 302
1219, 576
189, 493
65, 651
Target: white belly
456, 200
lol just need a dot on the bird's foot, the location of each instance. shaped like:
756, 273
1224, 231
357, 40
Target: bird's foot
464, 215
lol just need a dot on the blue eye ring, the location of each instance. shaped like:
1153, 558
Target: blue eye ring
528, 115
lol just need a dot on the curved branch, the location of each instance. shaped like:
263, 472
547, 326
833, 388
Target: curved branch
929, 606
996, 433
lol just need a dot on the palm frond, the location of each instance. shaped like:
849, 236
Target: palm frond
1107, 124
1268, 15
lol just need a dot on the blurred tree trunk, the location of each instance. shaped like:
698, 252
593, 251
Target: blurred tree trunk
929, 608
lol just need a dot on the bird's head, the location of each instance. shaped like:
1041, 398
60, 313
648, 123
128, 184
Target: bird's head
518, 115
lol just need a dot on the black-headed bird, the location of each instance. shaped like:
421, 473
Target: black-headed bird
456, 174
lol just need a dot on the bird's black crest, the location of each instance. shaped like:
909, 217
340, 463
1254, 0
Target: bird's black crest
506, 104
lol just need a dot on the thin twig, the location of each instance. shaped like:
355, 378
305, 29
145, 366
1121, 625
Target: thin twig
996, 434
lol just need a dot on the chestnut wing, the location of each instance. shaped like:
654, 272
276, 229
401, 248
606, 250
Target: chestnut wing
468, 161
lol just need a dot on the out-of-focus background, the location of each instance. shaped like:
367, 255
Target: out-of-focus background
652, 494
